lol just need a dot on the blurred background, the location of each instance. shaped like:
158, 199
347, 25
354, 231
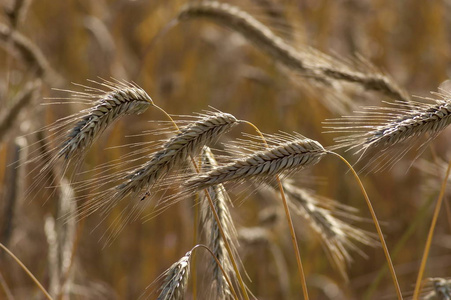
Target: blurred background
186, 68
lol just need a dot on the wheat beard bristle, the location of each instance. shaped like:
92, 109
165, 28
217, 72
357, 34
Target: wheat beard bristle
174, 285
124, 101
177, 150
288, 157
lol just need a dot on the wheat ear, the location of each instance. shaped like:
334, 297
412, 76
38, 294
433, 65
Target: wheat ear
75, 134
220, 199
383, 128
226, 243
174, 153
122, 99
177, 150
337, 236
288, 157
309, 63
176, 279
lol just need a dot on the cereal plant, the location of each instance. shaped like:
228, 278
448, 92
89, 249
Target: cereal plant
257, 149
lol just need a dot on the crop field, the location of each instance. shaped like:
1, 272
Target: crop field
255, 149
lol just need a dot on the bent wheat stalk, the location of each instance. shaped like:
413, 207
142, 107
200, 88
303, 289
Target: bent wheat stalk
376, 224
30, 53
291, 166
309, 63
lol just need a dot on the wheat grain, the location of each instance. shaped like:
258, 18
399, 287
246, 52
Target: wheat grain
123, 99
287, 157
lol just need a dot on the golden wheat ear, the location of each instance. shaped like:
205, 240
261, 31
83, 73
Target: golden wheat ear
143, 183
68, 139
309, 63
122, 99
219, 288
176, 279
384, 135
331, 221
281, 158
177, 150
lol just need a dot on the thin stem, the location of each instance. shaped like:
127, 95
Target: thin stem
376, 223
417, 220
193, 258
447, 206
431, 233
5, 287
215, 214
220, 267
290, 223
27, 271
293, 240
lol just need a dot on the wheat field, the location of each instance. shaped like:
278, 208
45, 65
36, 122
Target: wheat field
206, 149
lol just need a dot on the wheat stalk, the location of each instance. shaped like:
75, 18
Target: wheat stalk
312, 63
290, 156
9, 116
